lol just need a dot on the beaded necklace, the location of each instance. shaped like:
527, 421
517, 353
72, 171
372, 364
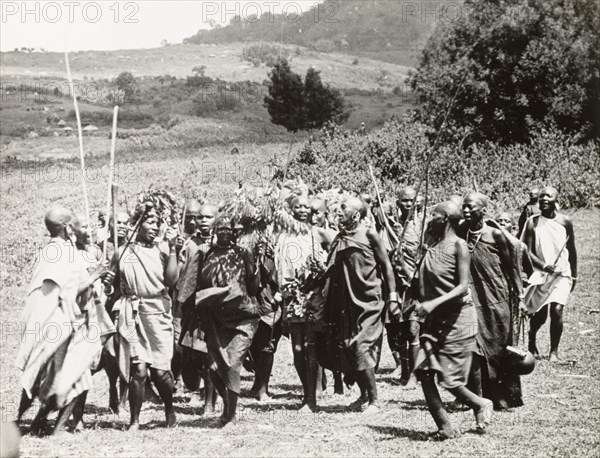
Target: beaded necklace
477, 234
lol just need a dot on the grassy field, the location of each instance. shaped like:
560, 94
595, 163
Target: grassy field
561, 416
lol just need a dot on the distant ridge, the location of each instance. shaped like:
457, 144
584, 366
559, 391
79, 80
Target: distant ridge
394, 31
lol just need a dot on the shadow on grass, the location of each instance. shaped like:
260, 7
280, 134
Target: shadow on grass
394, 432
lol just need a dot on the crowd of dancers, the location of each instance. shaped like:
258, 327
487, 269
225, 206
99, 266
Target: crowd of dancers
164, 305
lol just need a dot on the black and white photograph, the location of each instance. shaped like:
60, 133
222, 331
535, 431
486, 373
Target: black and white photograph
323, 228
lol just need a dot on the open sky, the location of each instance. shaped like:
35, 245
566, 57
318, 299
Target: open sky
107, 25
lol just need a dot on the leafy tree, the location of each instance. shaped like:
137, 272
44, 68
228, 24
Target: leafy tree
285, 101
322, 103
127, 88
298, 105
514, 65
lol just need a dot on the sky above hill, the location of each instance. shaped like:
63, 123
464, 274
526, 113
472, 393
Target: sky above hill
110, 25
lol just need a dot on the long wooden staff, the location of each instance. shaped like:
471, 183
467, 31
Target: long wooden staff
385, 221
111, 174
114, 192
80, 135
182, 224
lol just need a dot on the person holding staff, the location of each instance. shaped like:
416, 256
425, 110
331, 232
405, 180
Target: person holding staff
145, 322
450, 326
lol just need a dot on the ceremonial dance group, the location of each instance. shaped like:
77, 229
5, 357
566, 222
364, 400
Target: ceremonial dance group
159, 302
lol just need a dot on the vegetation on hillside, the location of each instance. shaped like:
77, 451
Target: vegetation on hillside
514, 65
398, 151
391, 30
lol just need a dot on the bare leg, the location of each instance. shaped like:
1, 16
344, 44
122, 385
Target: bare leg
223, 392
436, 407
263, 373
368, 377
338, 383
40, 421
395, 342
556, 329
24, 405
163, 380
297, 335
536, 322
78, 410
312, 369
137, 387
482, 407
475, 383
414, 328
63, 416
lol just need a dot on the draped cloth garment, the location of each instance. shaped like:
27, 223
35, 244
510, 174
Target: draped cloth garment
354, 307
228, 315
145, 323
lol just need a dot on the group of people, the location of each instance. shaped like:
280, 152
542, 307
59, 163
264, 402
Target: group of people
195, 307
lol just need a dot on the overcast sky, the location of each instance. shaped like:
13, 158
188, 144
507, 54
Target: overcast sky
105, 25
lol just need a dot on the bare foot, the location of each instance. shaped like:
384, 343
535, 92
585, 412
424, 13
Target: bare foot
396, 373
263, 397
306, 409
553, 357
171, 419
409, 384
360, 404
483, 415
133, 427
371, 409
533, 350
79, 427
444, 434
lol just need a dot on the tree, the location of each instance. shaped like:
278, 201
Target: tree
298, 105
285, 101
322, 103
513, 65
127, 87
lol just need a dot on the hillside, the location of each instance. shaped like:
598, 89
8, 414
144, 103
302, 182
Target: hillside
221, 61
389, 30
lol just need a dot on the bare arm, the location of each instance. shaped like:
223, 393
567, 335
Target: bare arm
571, 249
172, 269
382, 259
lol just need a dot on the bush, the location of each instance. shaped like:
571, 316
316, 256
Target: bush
504, 173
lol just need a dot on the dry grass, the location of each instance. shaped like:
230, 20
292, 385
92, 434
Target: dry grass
560, 417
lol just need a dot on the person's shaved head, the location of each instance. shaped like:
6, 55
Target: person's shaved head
81, 228
444, 213
351, 211
550, 191
407, 192
122, 225
192, 206
450, 210
318, 205
477, 197
56, 220
458, 200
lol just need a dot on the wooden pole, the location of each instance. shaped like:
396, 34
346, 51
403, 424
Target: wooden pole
80, 135
111, 173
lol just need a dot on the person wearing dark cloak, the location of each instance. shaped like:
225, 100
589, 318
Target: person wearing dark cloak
194, 359
229, 314
358, 271
495, 288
